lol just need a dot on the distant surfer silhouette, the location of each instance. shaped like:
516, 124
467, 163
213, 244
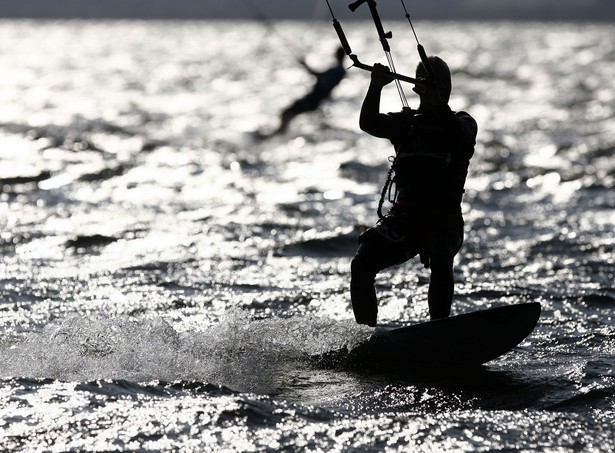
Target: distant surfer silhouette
433, 146
325, 82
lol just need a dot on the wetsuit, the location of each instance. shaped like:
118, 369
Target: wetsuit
433, 150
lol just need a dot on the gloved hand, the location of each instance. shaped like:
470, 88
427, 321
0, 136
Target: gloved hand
380, 75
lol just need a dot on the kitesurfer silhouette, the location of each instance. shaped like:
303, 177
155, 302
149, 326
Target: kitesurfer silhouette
433, 146
325, 82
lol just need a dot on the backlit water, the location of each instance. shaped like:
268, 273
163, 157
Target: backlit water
165, 277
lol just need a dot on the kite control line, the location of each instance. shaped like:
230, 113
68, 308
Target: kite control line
355, 59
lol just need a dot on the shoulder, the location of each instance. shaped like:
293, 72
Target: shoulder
334, 71
468, 122
464, 116
398, 123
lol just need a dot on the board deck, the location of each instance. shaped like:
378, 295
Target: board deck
469, 339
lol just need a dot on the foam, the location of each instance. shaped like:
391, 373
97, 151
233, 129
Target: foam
245, 355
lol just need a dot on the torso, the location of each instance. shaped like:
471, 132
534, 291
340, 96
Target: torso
431, 165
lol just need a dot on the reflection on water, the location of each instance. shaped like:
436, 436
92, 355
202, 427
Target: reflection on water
159, 261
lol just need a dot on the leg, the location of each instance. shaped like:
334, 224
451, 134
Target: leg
375, 254
303, 105
285, 118
444, 247
362, 292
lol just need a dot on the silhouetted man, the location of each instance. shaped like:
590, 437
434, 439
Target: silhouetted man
326, 81
433, 146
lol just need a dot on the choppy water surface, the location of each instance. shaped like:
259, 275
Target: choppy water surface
165, 276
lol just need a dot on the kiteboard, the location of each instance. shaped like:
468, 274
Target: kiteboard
470, 339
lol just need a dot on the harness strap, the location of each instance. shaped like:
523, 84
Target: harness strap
386, 189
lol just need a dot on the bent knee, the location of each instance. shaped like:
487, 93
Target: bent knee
363, 265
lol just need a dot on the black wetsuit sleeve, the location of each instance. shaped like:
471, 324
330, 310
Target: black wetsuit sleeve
467, 129
371, 120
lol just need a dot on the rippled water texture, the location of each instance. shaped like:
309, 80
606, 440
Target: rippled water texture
165, 276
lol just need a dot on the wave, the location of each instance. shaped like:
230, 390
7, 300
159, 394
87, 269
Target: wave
242, 354
591, 399
83, 242
343, 243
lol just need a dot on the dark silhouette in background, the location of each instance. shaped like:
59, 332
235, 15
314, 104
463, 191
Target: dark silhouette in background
325, 82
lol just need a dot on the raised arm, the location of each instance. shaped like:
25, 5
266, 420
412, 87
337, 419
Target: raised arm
371, 120
307, 67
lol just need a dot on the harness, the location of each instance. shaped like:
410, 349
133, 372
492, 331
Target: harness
429, 161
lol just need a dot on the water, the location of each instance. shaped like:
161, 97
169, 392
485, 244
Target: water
165, 277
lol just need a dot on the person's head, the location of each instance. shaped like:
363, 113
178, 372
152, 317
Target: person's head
339, 54
442, 73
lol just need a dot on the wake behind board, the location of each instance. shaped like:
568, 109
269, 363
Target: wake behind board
469, 339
